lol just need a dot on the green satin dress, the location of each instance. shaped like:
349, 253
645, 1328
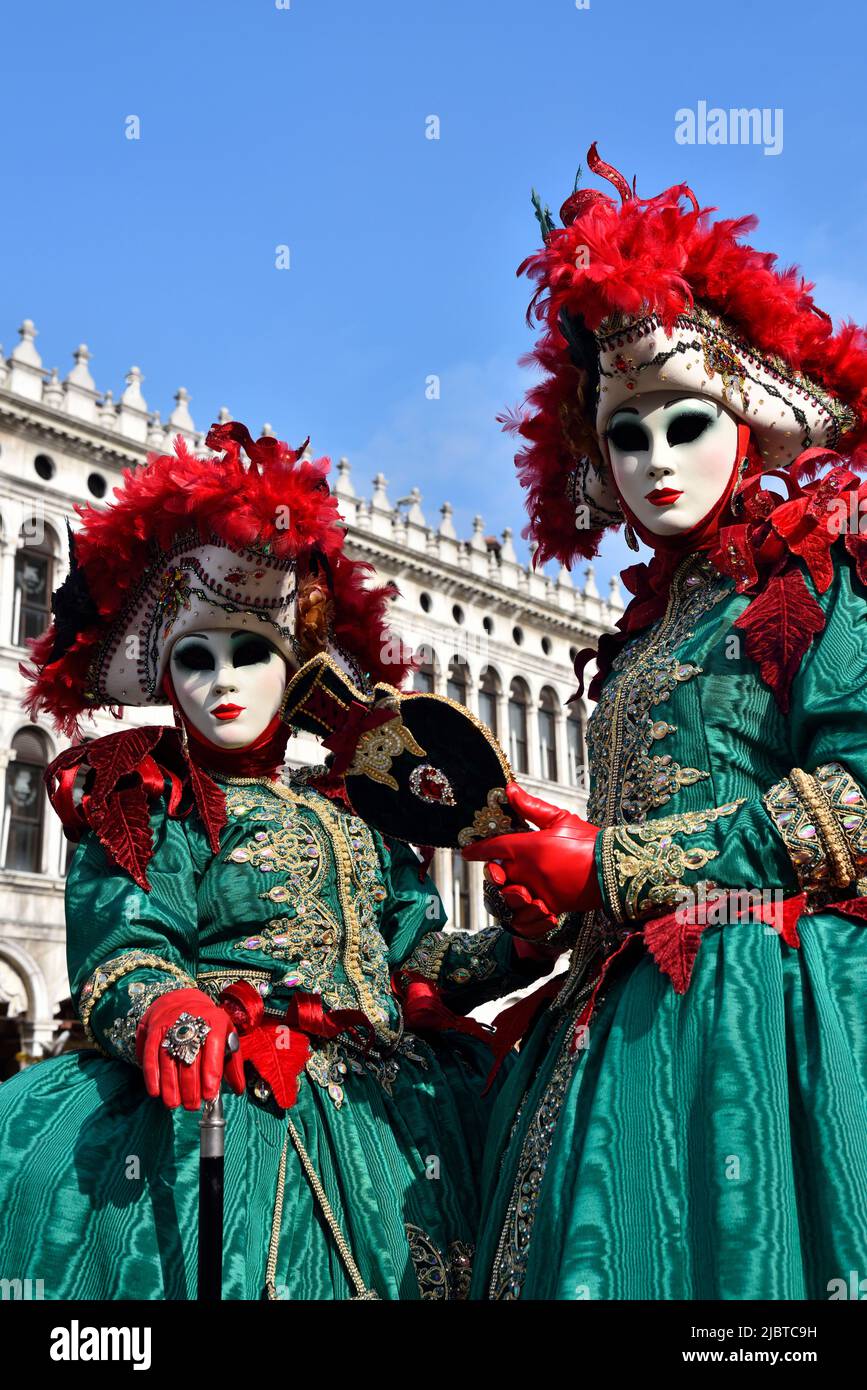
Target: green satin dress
99, 1182
710, 1144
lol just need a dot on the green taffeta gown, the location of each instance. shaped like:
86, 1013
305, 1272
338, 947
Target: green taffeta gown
99, 1182
710, 1144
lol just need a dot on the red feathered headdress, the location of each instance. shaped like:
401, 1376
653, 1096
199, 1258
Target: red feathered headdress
650, 294
206, 542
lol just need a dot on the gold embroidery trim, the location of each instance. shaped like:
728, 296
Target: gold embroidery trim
821, 818
609, 873
428, 954
325, 663
377, 749
643, 865
104, 976
488, 820
808, 789
331, 822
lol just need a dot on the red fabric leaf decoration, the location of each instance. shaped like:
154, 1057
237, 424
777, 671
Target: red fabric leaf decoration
797, 526
673, 942
210, 803
787, 924
122, 826
857, 548
851, 907
779, 626
278, 1053
809, 524
115, 755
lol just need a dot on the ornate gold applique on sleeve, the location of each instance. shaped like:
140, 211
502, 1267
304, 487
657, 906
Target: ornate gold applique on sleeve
822, 820
121, 1033
452, 959
643, 865
107, 974
428, 955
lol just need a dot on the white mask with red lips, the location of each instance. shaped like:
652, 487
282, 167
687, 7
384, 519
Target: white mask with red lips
229, 684
672, 459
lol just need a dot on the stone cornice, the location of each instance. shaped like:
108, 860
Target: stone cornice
459, 582
90, 442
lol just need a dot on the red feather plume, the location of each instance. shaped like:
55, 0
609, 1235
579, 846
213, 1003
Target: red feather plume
276, 499
659, 255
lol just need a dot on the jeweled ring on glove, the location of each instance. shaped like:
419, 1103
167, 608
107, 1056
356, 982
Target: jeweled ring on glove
184, 1039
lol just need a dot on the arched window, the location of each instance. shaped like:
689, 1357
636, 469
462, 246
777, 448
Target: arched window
456, 685
549, 708
424, 677
519, 697
34, 580
25, 801
575, 746
489, 698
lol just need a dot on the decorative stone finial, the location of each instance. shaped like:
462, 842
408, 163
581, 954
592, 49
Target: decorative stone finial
156, 436
52, 391
379, 501
344, 482
24, 351
80, 374
132, 396
507, 550
180, 418
447, 525
106, 412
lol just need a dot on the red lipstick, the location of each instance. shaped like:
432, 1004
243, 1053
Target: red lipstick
663, 496
227, 712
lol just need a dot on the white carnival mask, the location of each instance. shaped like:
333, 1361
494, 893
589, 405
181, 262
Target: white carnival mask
672, 457
229, 683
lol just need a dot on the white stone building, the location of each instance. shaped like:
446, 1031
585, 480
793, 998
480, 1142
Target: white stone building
491, 633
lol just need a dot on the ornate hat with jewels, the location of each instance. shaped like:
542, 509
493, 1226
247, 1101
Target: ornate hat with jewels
650, 294
250, 536
419, 767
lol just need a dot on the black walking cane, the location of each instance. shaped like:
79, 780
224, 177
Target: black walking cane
212, 1147
212, 1132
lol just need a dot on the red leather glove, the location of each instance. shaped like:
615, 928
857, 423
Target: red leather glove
531, 917
554, 864
188, 1082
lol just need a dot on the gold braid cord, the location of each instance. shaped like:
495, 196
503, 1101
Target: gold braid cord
821, 818
107, 974
362, 1292
643, 865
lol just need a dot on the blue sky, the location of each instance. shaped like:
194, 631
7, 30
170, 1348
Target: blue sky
263, 126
